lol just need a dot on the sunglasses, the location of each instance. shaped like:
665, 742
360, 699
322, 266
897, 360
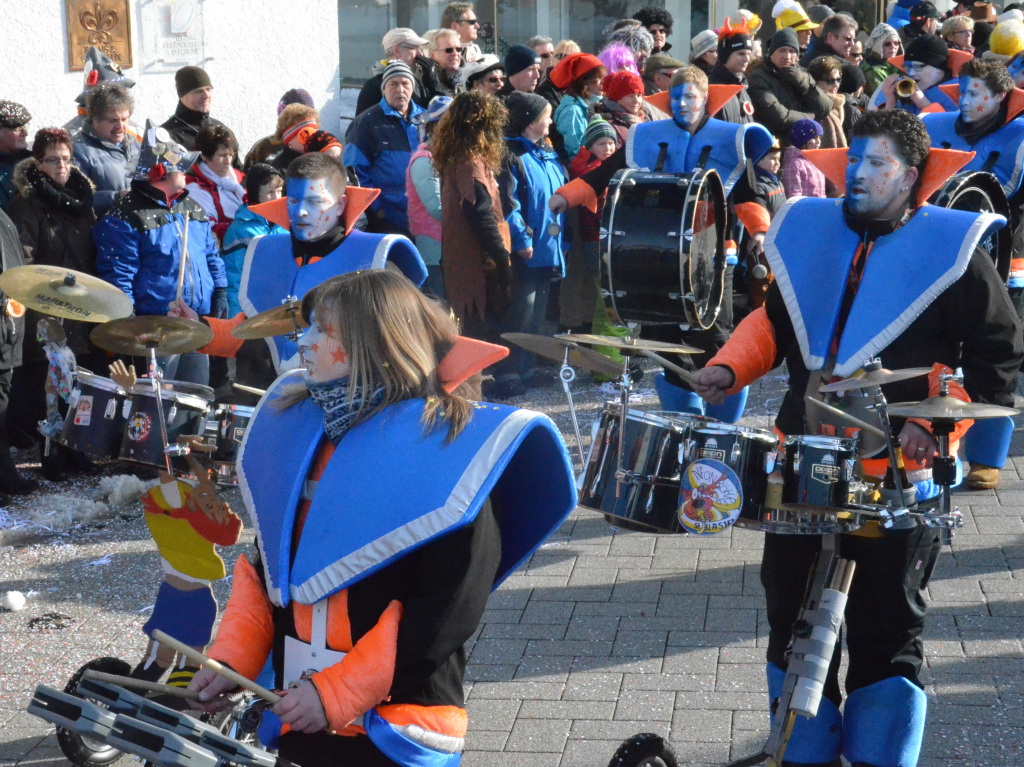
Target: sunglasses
495, 80
833, 81
451, 50
474, 22
546, 55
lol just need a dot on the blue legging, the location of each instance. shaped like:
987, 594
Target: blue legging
679, 400
988, 441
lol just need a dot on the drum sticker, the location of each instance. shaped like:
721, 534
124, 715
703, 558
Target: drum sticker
710, 497
710, 450
83, 410
139, 427
825, 472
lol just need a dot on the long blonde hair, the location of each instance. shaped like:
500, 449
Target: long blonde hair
394, 337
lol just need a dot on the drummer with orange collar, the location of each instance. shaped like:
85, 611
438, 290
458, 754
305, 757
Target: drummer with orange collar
907, 283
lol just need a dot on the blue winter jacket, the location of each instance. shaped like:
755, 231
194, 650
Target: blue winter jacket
243, 229
530, 221
108, 166
378, 146
138, 249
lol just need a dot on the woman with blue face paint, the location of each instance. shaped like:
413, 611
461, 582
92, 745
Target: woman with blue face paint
372, 572
825, 318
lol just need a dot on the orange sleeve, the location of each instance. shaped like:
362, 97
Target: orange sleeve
363, 677
750, 352
220, 533
955, 390
579, 192
246, 634
223, 344
754, 217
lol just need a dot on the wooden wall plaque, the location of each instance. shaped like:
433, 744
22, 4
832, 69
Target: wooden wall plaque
103, 23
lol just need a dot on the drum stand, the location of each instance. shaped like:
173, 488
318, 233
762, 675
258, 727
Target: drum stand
567, 375
156, 376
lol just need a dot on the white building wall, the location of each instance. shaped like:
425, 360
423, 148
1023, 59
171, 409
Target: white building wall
255, 51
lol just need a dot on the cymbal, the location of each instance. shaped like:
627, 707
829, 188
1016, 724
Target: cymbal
65, 293
554, 349
871, 378
948, 409
137, 335
273, 322
629, 344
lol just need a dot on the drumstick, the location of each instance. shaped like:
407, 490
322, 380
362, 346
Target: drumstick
228, 673
140, 684
249, 389
686, 375
846, 416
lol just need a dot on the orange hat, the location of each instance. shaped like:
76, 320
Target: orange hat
572, 67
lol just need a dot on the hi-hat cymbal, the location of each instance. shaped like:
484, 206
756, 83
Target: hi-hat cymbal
629, 344
65, 293
948, 409
273, 322
554, 349
871, 378
137, 335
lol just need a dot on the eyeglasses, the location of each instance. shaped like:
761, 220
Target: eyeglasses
546, 55
55, 161
474, 22
833, 81
451, 50
495, 80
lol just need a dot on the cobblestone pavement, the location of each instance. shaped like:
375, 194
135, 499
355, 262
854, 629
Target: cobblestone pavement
602, 635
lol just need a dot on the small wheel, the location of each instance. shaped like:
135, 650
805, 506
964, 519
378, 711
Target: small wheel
79, 749
644, 750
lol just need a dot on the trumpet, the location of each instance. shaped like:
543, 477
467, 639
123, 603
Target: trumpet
906, 87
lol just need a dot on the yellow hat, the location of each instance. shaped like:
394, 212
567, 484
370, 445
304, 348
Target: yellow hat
789, 13
1006, 41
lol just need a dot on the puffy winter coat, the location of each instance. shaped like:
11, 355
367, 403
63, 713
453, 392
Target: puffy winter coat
108, 166
534, 175
783, 97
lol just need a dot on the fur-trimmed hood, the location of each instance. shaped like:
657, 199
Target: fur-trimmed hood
29, 181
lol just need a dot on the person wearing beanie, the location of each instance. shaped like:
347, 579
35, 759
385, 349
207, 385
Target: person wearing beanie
782, 91
402, 44
269, 147
704, 50
580, 77
14, 120
929, 63
522, 71
800, 177
924, 21
883, 44
195, 97
658, 22
379, 144
622, 105
818, 14
757, 199
735, 49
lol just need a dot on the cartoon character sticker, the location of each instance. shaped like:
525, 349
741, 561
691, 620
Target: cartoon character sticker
710, 497
83, 410
139, 427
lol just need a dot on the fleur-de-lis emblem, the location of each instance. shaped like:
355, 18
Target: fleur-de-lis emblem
98, 21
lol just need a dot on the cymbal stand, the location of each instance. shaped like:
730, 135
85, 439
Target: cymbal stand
881, 408
944, 468
567, 375
296, 332
625, 387
156, 376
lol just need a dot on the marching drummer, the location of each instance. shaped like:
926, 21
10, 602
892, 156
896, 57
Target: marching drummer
825, 318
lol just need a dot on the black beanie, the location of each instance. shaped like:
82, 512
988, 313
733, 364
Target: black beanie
518, 58
782, 39
930, 50
729, 45
187, 79
259, 174
523, 109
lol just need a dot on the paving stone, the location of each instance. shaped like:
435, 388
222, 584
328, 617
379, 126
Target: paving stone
538, 735
592, 685
496, 715
617, 731
637, 705
520, 690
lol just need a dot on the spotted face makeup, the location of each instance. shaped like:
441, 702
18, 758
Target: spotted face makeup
687, 104
322, 354
313, 208
977, 101
878, 182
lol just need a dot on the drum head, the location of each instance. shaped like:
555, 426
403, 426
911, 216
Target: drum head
704, 227
978, 192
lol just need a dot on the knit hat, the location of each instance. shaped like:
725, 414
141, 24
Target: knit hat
930, 50
320, 141
435, 110
924, 10
703, 42
597, 128
571, 68
397, 68
518, 58
13, 115
474, 70
1006, 41
259, 174
100, 69
818, 13
790, 14
784, 38
294, 96
620, 84
852, 79
187, 79
661, 61
523, 109
160, 155
292, 131
878, 37
803, 131
401, 36
732, 39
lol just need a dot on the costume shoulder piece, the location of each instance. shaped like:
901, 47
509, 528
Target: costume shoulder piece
1000, 153
372, 504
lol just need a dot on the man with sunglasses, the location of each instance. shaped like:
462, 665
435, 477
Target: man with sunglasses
462, 18
545, 48
402, 44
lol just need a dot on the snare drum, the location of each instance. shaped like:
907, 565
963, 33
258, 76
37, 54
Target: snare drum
231, 421
95, 421
186, 409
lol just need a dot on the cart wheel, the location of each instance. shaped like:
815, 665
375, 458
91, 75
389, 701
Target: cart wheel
79, 749
644, 750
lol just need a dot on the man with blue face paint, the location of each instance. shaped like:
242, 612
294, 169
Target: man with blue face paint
928, 62
876, 274
677, 146
989, 123
320, 211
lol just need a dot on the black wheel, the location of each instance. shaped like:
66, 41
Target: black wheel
79, 749
644, 750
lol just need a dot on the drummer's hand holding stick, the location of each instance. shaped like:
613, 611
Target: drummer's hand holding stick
917, 444
178, 308
713, 382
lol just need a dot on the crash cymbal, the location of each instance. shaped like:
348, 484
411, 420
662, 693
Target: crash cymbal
273, 322
948, 409
65, 293
554, 349
629, 344
137, 335
879, 377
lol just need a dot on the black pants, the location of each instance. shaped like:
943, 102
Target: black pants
8, 471
885, 613
321, 750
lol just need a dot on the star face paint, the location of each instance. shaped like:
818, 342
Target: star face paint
313, 207
687, 104
977, 101
322, 354
877, 182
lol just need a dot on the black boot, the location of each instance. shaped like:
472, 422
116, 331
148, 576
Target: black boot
11, 482
53, 466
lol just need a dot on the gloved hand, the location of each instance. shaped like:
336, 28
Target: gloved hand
219, 303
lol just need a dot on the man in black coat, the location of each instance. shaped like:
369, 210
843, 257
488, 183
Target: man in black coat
195, 95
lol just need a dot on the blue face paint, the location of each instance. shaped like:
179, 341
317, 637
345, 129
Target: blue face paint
313, 208
687, 104
977, 102
1016, 69
876, 178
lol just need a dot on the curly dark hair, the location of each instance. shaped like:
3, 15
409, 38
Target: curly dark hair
473, 126
212, 138
648, 16
107, 96
906, 131
47, 137
993, 73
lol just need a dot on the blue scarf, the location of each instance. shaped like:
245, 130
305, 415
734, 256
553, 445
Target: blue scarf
339, 411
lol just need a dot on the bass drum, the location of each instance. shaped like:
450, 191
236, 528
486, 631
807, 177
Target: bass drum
664, 247
980, 192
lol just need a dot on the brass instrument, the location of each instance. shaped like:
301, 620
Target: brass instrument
906, 87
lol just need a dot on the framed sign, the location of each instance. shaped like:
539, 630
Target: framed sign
103, 23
